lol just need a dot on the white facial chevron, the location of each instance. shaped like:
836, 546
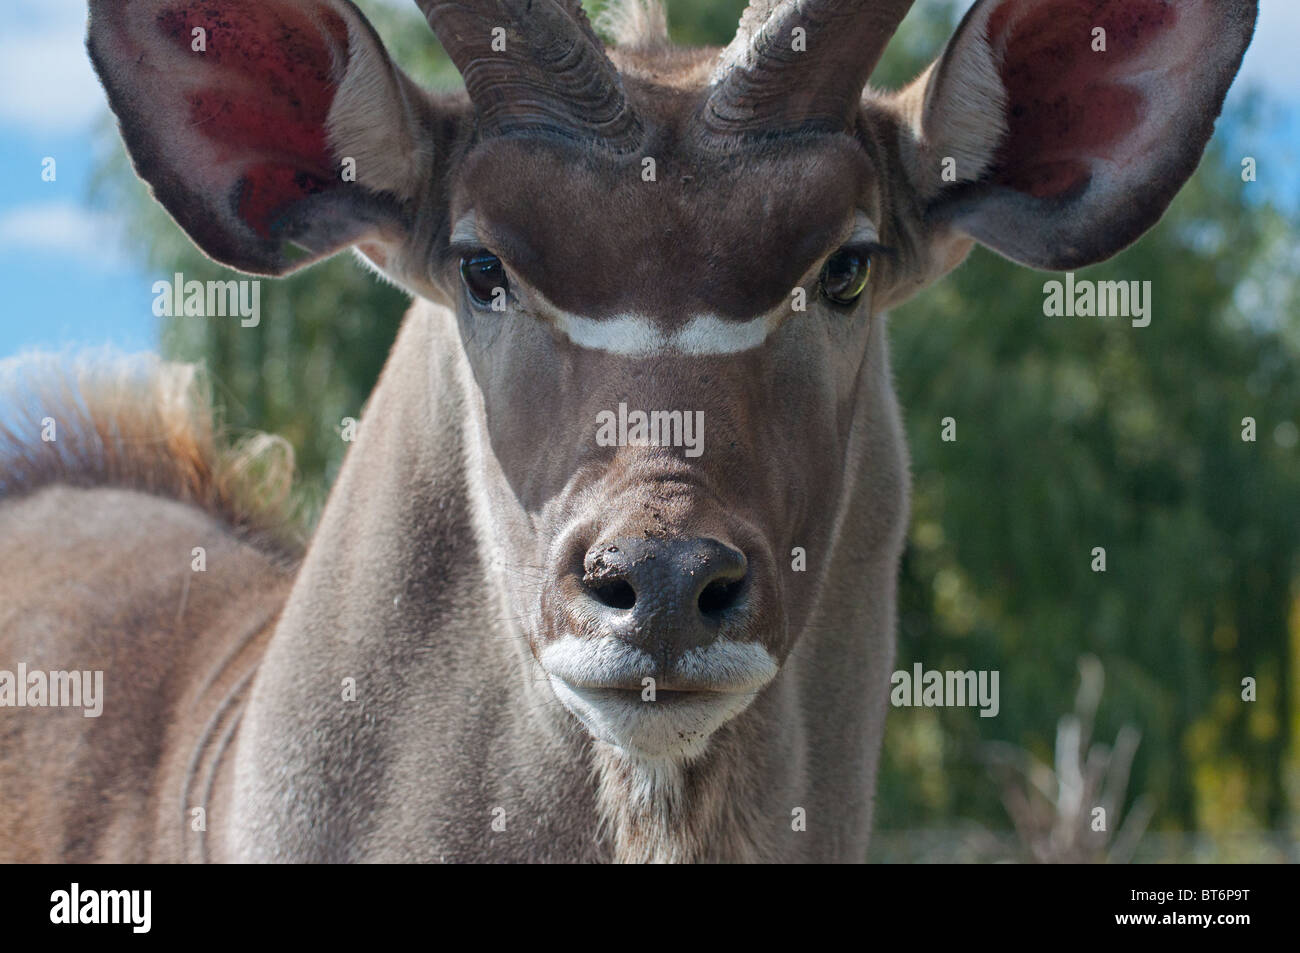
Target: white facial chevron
633, 335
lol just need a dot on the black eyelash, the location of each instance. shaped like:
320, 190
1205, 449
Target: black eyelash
450, 256
461, 249
873, 250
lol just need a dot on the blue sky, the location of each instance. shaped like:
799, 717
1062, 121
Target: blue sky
71, 279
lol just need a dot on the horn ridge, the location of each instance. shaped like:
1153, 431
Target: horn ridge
771, 77
535, 65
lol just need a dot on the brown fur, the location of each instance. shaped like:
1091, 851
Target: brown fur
138, 475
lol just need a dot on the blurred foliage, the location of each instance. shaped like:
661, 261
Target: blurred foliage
1072, 433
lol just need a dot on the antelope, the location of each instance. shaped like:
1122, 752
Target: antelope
507, 640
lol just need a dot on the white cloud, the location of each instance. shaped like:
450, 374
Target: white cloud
66, 229
1271, 61
48, 82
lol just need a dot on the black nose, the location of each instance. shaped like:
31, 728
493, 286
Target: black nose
666, 595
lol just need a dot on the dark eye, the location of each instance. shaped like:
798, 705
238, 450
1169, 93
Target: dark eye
845, 274
484, 274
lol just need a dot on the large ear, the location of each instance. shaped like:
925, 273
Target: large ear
1057, 131
276, 132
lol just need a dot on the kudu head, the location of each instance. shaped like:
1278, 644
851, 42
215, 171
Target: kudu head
635, 242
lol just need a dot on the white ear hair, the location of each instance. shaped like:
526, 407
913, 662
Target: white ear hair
956, 111
369, 123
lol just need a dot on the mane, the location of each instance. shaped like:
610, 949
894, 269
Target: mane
634, 24
137, 422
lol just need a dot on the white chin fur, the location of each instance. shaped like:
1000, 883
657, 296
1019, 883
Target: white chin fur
722, 678
679, 728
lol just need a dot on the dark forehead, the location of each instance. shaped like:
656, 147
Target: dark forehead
679, 228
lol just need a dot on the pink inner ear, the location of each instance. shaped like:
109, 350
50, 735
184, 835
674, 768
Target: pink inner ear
268, 188
269, 105
1066, 103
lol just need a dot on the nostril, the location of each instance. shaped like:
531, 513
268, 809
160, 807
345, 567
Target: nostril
688, 588
720, 595
617, 594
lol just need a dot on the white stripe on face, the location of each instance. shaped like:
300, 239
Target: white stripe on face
633, 335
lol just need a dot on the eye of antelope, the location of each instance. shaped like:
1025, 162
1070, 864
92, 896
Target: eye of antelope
483, 274
844, 276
